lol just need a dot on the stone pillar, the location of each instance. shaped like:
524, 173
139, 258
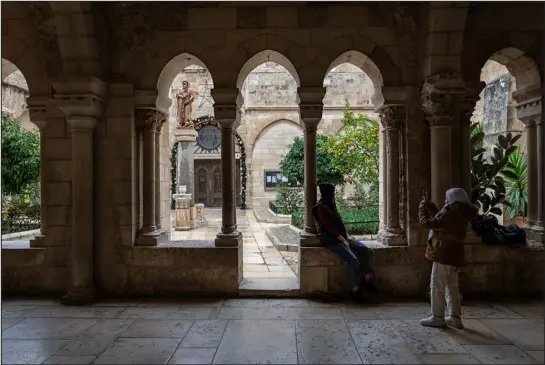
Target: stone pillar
225, 110
310, 110
37, 109
148, 120
392, 117
529, 111
81, 101
467, 109
440, 93
158, 130
186, 167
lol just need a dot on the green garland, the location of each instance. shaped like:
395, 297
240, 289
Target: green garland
243, 170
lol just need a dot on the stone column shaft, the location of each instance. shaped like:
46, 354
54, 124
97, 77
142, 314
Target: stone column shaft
531, 151
310, 176
149, 181
158, 177
540, 154
228, 191
38, 118
392, 138
82, 202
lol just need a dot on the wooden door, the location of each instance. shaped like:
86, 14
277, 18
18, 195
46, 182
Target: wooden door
208, 178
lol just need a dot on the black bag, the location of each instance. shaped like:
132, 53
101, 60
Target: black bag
492, 233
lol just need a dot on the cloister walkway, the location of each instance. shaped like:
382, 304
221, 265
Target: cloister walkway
270, 331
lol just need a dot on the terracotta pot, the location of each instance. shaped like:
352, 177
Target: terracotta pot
519, 221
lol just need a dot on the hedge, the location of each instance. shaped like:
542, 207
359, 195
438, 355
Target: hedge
369, 215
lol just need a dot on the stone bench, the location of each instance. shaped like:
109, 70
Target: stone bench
404, 271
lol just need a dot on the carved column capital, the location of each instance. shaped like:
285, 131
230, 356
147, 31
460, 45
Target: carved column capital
149, 119
37, 108
529, 104
392, 116
440, 93
226, 105
80, 97
311, 105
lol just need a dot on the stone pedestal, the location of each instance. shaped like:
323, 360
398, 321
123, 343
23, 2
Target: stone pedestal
183, 212
198, 220
185, 170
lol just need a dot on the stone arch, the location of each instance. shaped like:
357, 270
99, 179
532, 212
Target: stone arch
28, 63
262, 57
253, 140
366, 65
169, 73
360, 49
272, 142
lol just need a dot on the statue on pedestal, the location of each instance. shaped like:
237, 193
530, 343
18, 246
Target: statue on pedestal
185, 98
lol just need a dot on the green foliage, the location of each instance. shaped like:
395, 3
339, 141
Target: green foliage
288, 199
20, 157
292, 164
355, 149
368, 217
487, 181
516, 185
364, 198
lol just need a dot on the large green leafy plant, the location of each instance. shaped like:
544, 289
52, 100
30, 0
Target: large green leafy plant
292, 164
487, 181
20, 157
516, 185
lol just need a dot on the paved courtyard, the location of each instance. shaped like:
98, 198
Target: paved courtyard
261, 259
260, 331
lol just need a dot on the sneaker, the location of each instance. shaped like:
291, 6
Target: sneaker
433, 321
455, 322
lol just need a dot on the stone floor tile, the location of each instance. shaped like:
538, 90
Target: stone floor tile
378, 342
258, 342
270, 274
182, 302
114, 302
267, 303
166, 313
8, 322
275, 261
527, 335
248, 268
538, 355
529, 310
29, 351
12, 311
278, 313
476, 333
448, 359
537, 320
152, 328
187, 355
280, 268
48, 328
484, 311
253, 260
74, 312
204, 333
425, 339
500, 354
70, 360
31, 302
406, 312
139, 351
97, 338
325, 342
353, 312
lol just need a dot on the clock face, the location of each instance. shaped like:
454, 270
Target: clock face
209, 137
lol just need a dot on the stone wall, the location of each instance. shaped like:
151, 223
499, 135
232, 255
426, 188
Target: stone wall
404, 271
14, 94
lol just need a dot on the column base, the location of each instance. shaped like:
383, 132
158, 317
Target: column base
391, 237
233, 239
151, 239
38, 241
79, 296
307, 239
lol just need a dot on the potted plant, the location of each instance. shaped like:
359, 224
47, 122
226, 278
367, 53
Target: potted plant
516, 186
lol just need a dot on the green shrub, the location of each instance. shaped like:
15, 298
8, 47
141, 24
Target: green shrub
368, 215
288, 199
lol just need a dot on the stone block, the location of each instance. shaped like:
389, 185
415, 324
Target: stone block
318, 256
313, 279
222, 257
448, 19
337, 279
58, 170
455, 42
121, 192
410, 280
281, 17
59, 215
59, 236
481, 278
15, 257
383, 36
119, 126
437, 43
57, 256
153, 256
221, 18
59, 193
58, 149
341, 16
385, 256
480, 254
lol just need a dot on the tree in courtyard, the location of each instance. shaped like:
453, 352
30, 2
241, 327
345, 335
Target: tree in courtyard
355, 149
293, 163
20, 157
